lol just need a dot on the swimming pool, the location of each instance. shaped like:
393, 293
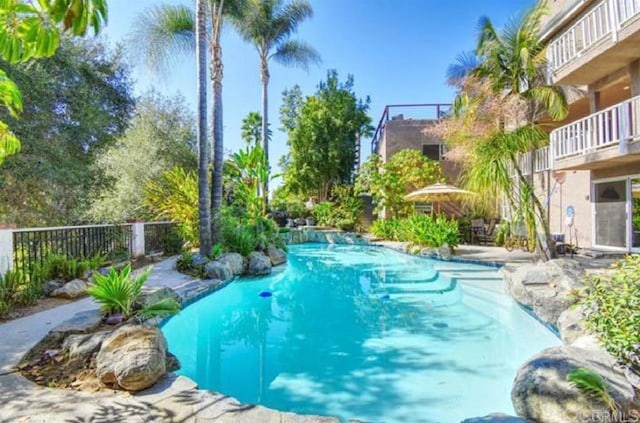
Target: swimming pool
361, 332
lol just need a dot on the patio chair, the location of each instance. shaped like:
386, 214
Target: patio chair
477, 230
489, 233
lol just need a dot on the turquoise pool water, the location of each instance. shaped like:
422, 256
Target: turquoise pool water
361, 332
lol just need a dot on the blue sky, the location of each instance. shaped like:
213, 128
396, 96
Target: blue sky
397, 50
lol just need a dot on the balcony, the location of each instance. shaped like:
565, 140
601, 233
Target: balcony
592, 38
600, 139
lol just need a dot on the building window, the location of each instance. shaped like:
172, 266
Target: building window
431, 151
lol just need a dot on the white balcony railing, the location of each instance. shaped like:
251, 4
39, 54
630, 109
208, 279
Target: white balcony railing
542, 162
611, 126
601, 22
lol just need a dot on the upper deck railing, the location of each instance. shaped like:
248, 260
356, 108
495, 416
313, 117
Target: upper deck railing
601, 22
430, 111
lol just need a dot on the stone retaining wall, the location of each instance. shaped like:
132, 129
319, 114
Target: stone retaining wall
328, 236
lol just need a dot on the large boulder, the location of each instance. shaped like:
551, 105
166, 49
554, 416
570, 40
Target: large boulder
545, 286
70, 290
234, 261
259, 264
50, 286
276, 255
81, 322
133, 358
542, 393
218, 270
570, 324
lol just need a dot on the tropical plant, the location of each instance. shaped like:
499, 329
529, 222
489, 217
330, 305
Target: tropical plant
166, 32
323, 213
268, 25
216, 251
388, 182
612, 307
32, 30
118, 291
592, 385
505, 87
187, 264
419, 229
175, 198
385, 229
324, 131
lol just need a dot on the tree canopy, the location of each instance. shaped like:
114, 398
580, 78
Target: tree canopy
78, 102
323, 132
160, 137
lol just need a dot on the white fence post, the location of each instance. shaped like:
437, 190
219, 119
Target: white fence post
6, 249
137, 229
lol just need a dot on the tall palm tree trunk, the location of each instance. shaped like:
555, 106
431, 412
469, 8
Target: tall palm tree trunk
204, 201
218, 142
264, 74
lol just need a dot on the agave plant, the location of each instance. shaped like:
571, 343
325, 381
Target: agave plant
592, 385
118, 292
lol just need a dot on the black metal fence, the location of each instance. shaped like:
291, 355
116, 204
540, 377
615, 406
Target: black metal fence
31, 246
161, 237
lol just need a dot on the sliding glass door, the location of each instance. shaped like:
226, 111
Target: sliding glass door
635, 214
611, 214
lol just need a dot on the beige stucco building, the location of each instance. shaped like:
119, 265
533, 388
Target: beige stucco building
593, 159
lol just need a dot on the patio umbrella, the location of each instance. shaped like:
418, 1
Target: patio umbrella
437, 193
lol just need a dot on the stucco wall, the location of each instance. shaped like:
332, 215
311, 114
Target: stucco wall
401, 134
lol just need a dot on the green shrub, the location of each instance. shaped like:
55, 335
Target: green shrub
612, 304
323, 213
186, 264
216, 251
117, 292
503, 231
421, 230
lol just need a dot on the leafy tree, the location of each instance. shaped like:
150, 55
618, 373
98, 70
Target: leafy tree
160, 137
388, 182
506, 85
323, 131
32, 30
268, 25
79, 102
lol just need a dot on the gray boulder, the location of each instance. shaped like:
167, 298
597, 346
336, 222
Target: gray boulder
259, 264
153, 294
84, 345
445, 252
545, 286
542, 393
218, 270
234, 261
276, 255
50, 286
70, 290
133, 358
570, 324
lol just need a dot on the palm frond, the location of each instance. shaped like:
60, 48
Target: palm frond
165, 307
591, 384
552, 99
162, 34
296, 53
466, 63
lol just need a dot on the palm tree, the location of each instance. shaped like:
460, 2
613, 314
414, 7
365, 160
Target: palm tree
512, 64
163, 34
268, 25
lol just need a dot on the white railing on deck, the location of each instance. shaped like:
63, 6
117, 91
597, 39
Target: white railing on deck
604, 20
590, 29
602, 129
542, 161
627, 9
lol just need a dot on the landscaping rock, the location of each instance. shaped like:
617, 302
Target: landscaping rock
234, 261
195, 289
153, 294
50, 286
199, 260
218, 270
429, 252
444, 252
542, 393
133, 358
495, 418
570, 325
259, 264
83, 322
276, 255
84, 345
545, 286
71, 290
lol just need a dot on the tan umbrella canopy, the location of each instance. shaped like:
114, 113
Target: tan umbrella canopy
437, 193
